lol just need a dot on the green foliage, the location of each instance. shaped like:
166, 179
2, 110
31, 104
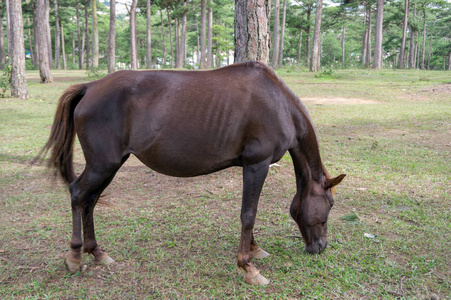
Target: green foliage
96, 73
5, 78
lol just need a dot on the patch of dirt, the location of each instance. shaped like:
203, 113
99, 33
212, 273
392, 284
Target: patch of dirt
336, 101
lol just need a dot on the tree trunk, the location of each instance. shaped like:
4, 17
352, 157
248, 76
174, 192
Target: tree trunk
162, 37
18, 80
404, 34
252, 30
178, 58
368, 48
424, 38
8, 28
343, 35
63, 48
35, 37
87, 34
42, 19
377, 61
112, 38
364, 38
203, 35
2, 40
170, 38
429, 52
49, 36
80, 48
183, 38
95, 36
73, 48
148, 36
299, 47
309, 13
30, 43
276, 30
282, 35
210, 35
133, 46
57, 37
412, 48
315, 64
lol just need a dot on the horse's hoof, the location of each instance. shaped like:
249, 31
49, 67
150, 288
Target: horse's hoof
260, 253
106, 260
255, 279
72, 267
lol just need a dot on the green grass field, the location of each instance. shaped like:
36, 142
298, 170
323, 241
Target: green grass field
172, 238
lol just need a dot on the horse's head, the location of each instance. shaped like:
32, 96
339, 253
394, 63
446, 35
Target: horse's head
310, 210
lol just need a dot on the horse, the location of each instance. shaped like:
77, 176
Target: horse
184, 124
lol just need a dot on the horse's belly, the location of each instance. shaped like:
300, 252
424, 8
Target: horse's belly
186, 163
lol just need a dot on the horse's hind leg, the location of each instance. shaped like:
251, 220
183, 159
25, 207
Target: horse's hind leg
85, 192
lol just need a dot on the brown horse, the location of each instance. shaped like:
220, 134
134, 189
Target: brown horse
184, 123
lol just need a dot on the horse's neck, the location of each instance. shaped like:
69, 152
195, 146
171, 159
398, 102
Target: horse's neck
309, 162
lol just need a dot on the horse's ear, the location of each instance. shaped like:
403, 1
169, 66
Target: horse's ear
330, 183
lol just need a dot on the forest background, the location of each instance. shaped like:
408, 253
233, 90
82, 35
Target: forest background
169, 33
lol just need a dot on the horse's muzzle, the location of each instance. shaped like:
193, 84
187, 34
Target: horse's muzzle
316, 247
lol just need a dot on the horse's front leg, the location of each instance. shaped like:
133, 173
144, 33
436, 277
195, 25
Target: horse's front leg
253, 179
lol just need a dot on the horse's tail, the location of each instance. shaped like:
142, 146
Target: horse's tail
62, 136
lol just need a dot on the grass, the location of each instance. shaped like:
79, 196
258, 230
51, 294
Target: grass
177, 238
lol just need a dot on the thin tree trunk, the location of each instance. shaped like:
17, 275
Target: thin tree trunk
315, 64
203, 35
95, 36
309, 13
18, 80
178, 57
2, 40
412, 48
210, 35
57, 37
133, 46
87, 34
429, 52
282, 35
148, 36
170, 37
8, 28
299, 47
364, 38
162, 37
368, 48
276, 36
80, 46
49, 36
424, 39
63, 48
83, 39
73, 48
30, 42
183, 38
252, 30
35, 37
42, 23
343, 36
377, 61
404, 34
112, 38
